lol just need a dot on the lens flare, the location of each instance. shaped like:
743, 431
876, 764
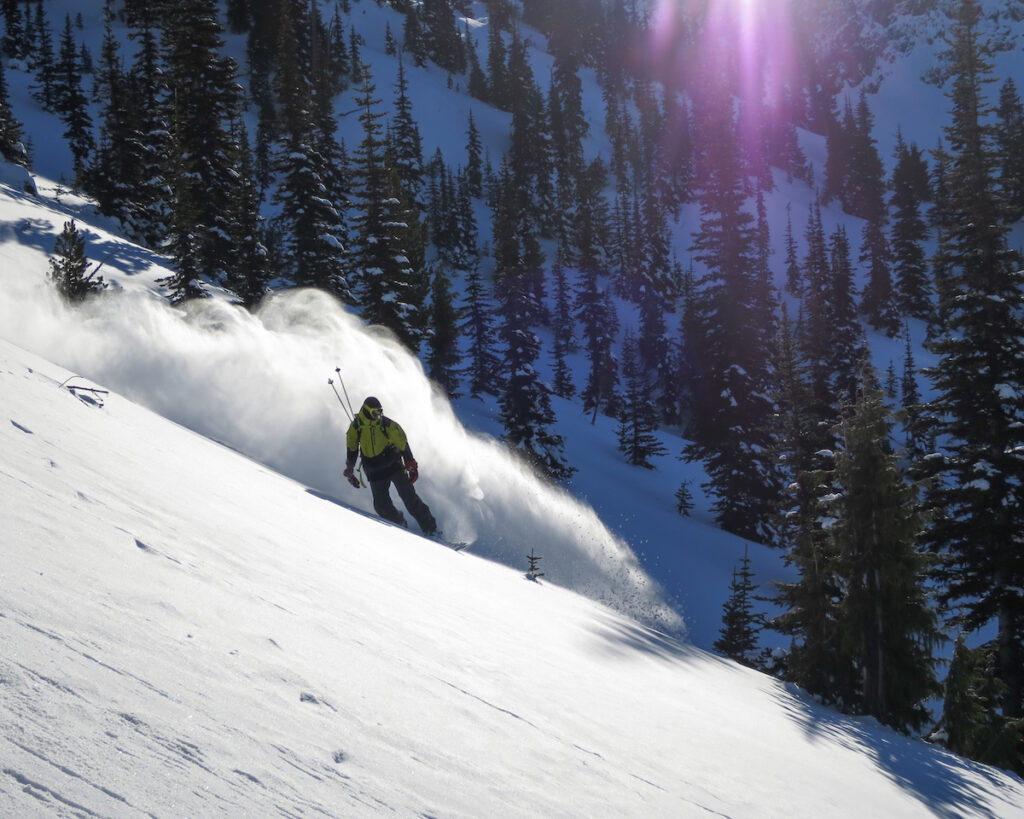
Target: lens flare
747, 44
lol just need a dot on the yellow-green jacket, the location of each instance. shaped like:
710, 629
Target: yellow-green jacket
381, 442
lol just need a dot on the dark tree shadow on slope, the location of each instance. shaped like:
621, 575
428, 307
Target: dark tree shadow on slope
943, 782
100, 249
949, 786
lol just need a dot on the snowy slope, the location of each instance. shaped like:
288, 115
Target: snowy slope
187, 633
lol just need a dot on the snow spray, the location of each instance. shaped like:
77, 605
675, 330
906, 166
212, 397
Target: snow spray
254, 381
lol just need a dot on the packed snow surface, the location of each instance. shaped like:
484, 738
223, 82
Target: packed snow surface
188, 633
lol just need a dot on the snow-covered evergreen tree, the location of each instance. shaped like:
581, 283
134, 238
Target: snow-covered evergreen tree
69, 264
310, 218
248, 268
390, 290
977, 523
203, 96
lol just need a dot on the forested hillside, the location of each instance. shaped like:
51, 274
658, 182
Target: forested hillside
582, 199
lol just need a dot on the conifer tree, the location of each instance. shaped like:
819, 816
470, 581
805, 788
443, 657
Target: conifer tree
738, 638
43, 62
846, 347
910, 188
310, 219
794, 275
474, 158
977, 524
970, 726
800, 527
674, 158
118, 160
12, 149
588, 239
443, 355
830, 339
339, 63
442, 40
684, 499
638, 419
878, 301
867, 186
598, 322
498, 92
247, 273
1010, 140
15, 41
477, 328
71, 104
810, 604
734, 337
526, 411
476, 85
204, 101
837, 152
567, 99
941, 218
655, 288
149, 200
354, 58
684, 352
390, 288
465, 253
564, 340
917, 443
888, 629
69, 264
442, 212
329, 155
405, 144
797, 427
529, 156
413, 40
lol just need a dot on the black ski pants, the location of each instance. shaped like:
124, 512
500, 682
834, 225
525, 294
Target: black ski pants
385, 507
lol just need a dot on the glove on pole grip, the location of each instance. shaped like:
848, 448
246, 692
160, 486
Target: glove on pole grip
412, 468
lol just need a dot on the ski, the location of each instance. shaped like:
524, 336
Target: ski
454, 545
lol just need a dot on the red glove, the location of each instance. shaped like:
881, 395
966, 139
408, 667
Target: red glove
413, 469
352, 479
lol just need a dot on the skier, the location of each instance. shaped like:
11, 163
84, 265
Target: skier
387, 459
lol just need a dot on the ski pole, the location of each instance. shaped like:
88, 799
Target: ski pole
343, 407
351, 411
